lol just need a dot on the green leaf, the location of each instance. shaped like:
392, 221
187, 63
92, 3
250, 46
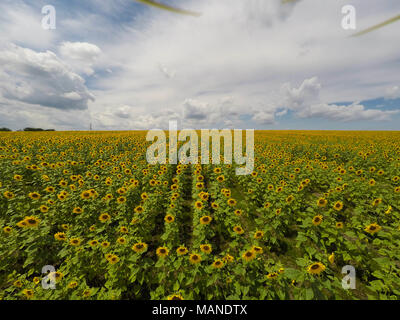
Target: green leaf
292, 274
309, 294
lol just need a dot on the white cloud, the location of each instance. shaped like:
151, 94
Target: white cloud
298, 98
166, 72
281, 113
40, 78
305, 101
353, 112
196, 110
393, 93
20, 22
123, 112
81, 56
18, 115
264, 117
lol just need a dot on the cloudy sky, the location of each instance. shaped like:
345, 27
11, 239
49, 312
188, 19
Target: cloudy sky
258, 64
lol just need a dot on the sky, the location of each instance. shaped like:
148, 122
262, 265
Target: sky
242, 64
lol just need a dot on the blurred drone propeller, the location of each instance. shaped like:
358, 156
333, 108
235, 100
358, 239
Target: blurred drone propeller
378, 26
169, 8
197, 14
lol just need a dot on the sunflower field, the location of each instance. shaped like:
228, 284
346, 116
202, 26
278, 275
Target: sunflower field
114, 227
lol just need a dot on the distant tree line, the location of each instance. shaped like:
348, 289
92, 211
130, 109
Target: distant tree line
38, 129
28, 129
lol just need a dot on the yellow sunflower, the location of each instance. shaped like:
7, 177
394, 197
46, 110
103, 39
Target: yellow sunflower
139, 209
7, 229
217, 264
248, 255
75, 241
194, 258
316, 268
338, 205
77, 210
321, 202
198, 205
32, 221
28, 293
373, 228
238, 229
317, 220
258, 234
205, 220
339, 225
60, 236
175, 297
181, 251
206, 248
169, 218
162, 252
104, 217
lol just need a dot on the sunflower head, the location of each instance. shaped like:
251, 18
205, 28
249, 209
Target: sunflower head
75, 242
238, 229
289, 199
258, 234
34, 195
205, 220
218, 264
317, 220
104, 217
73, 284
198, 205
373, 228
121, 240
139, 209
228, 258
272, 275
206, 248
112, 259
175, 297
321, 202
93, 243
121, 199
316, 268
28, 293
181, 251
7, 229
60, 236
339, 225
77, 210
376, 202
162, 252
248, 255
169, 218
194, 258
338, 205
257, 250
32, 221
